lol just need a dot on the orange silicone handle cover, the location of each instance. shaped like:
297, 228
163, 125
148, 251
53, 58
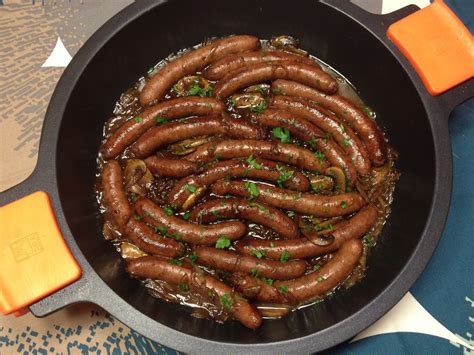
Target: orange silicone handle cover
437, 44
34, 258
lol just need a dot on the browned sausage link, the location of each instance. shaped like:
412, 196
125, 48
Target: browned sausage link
307, 287
309, 133
304, 203
114, 193
231, 261
222, 67
188, 232
365, 127
267, 170
326, 121
170, 109
302, 248
253, 287
286, 153
160, 166
163, 135
214, 210
143, 237
193, 61
157, 268
259, 73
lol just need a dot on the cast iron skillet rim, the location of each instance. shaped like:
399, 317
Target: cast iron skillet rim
168, 336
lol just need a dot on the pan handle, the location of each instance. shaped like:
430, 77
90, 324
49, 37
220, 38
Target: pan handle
442, 55
35, 259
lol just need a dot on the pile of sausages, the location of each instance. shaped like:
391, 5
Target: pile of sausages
243, 174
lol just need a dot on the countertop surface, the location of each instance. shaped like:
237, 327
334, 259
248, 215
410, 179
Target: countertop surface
38, 39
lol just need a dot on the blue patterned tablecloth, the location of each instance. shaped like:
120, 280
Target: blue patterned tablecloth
440, 304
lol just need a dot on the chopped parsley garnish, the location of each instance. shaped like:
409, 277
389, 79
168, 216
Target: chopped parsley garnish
226, 301
343, 204
186, 215
262, 105
282, 133
283, 289
223, 243
312, 142
176, 262
290, 213
191, 188
316, 267
297, 196
278, 91
345, 142
267, 280
258, 253
137, 217
320, 155
259, 206
341, 128
216, 214
285, 174
368, 111
254, 272
317, 186
319, 279
160, 120
252, 189
327, 136
197, 90
368, 240
285, 256
184, 287
193, 258
252, 162
168, 210
176, 236
161, 230
138, 119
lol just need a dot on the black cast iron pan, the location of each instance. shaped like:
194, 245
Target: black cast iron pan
338, 32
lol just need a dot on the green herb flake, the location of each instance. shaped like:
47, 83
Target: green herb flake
368, 240
282, 133
211, 294
320, 155
297, 196
138, 119
369, 112
327, 136
252, 189
137, 217
253, 162
191, 188
317, 186
226, 301
176, 262
259, 206
267, 280
160, 120
343, 204
258, 253
285, 174
223, 242
342, 128
184, 287
312, 143
216, 214
162, 230
290, 214
168, 210
319, 279
316, 267
254, 272
278, 91
285, 256
262, 105
283, 289
193, 258
345, 142
176, 236
187, 215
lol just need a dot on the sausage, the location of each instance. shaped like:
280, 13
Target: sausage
189, 232
163, 135
170, 109
286, 153
220, 68
259, 73
309, 133
366, 128
156, 87
214, 210
114, 193
231, 261
183, 196
303, 248
255, 288
160, 269
304, 203
329, 123
143, 237
308, 287
160, 166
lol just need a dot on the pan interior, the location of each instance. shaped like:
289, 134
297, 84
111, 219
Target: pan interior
333, 37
